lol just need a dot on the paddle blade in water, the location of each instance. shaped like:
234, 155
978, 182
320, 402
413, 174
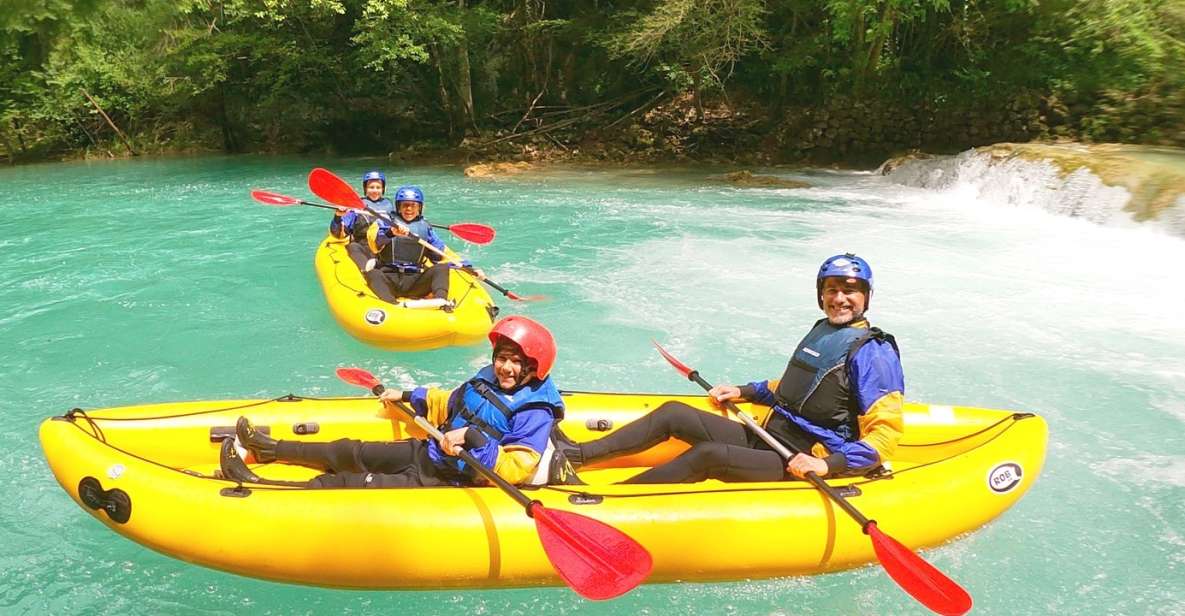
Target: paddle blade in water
473, 232
268, 197
357, 376
680, 366
595, 559
333, 189
525, 298
917, 577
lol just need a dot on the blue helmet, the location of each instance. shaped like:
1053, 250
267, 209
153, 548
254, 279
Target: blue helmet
846, 265
373, 175
409, 193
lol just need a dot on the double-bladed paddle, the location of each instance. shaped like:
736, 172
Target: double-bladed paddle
471, 232
916, 576
330, 187
595, 559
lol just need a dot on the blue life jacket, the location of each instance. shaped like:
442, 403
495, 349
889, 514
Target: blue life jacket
815, 385
486, 407
405, 253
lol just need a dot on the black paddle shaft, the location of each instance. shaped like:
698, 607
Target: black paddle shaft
501, 289
783, 449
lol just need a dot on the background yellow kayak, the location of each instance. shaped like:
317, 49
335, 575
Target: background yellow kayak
386, 325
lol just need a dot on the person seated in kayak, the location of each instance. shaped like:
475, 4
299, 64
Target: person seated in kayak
352, 224
839, 402
503, 416
401, 270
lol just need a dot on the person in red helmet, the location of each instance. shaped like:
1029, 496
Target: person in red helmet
503, 416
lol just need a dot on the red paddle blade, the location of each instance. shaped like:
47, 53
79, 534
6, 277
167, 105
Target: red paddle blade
357, 376
680, 366
595, 559
333, 189
917, 577
473, 232
268, 197
525, 298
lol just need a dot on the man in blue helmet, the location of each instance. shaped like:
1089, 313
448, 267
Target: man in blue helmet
839, 402
405, 267
352, 224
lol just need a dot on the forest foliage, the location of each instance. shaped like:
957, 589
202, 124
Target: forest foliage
366, 75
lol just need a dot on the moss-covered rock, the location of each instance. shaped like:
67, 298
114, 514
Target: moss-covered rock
746, 179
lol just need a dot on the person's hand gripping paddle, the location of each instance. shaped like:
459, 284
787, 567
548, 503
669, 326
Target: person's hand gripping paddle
595, 559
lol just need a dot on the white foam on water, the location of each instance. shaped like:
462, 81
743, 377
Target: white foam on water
1018, 183
1146, 470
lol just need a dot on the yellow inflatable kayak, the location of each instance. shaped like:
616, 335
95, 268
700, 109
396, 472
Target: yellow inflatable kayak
395, 327
150, 474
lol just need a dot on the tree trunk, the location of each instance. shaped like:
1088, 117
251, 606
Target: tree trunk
567, 76
230, 143
445, 100
86, 132
20, 139
464, 81
884, 30
697, 86
118, 132
11, 151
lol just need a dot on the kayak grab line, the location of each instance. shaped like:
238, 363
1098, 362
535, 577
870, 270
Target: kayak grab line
285, 398
1012, 417
96, 431
149, 460
335, 251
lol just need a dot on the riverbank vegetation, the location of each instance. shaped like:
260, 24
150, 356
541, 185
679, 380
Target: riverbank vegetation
766, 79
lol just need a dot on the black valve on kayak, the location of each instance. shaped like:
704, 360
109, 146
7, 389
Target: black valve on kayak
115, 502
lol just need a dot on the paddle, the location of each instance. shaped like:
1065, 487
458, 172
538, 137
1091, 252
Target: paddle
337, 191
916, 576
595, 559
471, 232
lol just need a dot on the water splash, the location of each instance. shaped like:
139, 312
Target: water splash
1107, 185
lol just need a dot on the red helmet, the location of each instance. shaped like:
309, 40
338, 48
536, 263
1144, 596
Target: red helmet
534, 339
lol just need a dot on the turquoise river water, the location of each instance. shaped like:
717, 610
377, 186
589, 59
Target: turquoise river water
160, 280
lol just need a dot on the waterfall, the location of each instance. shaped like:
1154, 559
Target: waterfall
1107, 185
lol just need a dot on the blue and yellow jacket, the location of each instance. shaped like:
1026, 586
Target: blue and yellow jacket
510, 445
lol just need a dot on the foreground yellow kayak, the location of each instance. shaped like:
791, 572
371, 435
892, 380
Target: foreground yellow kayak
389, 326
149, 473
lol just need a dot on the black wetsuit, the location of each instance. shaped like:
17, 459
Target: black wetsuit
389, 284
352, 463
720, 448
